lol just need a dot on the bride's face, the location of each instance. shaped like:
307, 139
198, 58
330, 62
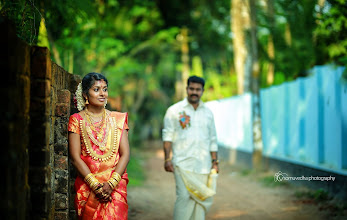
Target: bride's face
98, 93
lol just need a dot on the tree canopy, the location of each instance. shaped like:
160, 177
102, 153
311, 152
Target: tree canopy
137, 44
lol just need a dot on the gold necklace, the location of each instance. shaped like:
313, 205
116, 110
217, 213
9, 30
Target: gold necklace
95, 115
99, 132
113, 137
90, 118
100, 141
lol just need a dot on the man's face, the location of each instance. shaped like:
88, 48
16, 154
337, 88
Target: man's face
194, 92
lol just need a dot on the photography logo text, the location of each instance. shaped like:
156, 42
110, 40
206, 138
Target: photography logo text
279, 177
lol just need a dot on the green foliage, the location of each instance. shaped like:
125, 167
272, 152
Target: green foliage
291, 28
135, 171
246, 172
197, 68
134, 43
319, 195
26, 17
331, 31
343, 60
270, 182
42, 39
219, 86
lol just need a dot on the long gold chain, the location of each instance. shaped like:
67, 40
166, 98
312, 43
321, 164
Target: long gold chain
113, 140
100, 129
102, 144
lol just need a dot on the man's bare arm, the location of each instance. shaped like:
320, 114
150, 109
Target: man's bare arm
167, 153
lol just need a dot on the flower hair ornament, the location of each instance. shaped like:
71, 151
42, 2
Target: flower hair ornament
79, 98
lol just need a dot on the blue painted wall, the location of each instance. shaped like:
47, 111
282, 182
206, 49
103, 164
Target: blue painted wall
304, 121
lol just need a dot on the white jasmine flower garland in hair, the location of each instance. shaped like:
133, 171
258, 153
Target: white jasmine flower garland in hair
79, 97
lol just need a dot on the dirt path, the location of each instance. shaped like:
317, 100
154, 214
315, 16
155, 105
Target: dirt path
238, 196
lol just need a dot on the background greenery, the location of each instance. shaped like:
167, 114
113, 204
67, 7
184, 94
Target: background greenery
136, 44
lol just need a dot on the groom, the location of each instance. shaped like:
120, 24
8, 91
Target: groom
189, 133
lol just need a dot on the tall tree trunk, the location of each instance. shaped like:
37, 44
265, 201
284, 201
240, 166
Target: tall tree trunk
288, 35
70, 69
181, 84
255, 81
55, 51
270, 45
271, 67
240, 23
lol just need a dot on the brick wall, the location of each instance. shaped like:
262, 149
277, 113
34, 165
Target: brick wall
37, 95
14, 124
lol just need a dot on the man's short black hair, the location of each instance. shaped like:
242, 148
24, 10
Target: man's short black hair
196, 79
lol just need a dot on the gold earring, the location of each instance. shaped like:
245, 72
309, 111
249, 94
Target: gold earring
87, 102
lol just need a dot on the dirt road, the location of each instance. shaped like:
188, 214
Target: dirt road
239, 196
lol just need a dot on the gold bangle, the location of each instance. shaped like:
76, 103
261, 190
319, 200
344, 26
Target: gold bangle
88, 176
99, 190
168, 159
112, 182
116, 176
92, 182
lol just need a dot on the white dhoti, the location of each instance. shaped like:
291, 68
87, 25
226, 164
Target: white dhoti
193, 194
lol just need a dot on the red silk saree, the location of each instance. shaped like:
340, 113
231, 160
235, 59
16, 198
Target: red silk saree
86, 204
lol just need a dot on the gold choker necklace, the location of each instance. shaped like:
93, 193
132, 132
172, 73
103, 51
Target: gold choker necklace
95, 115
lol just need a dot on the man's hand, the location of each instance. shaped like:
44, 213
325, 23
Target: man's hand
215, 161
215, 166
168, 166
167, 155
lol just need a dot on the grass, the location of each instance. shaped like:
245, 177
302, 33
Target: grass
245, 172
269, 181
135, 170
319, 195
138, 157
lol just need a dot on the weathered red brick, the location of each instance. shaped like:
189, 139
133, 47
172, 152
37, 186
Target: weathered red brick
40, 105
40, 88
61, 201
41, 64
61, 215
61, 181
61, 149
63, 96
62, 109
60, 162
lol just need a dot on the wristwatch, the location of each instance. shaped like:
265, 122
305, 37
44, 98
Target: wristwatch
216, 161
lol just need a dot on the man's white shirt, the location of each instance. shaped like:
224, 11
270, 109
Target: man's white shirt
192, 145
